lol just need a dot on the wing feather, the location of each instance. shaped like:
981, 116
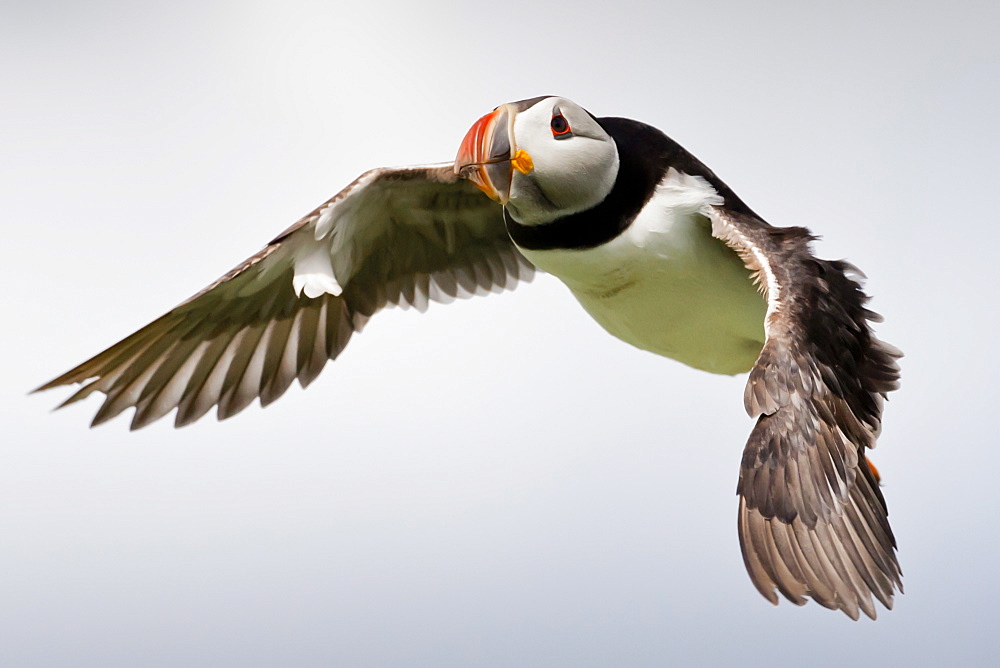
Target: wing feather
163, 391
279, 365
311, 351
812, 520
403, 236
206, 380
235, 394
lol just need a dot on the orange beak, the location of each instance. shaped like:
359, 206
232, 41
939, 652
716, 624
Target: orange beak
486, 152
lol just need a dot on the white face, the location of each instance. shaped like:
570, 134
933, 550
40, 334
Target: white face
575, 162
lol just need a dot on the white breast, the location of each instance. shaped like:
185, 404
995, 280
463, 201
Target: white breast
666, 285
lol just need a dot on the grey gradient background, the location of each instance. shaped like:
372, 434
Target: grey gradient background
495, 482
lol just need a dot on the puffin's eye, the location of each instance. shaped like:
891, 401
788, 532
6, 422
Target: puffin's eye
560, 127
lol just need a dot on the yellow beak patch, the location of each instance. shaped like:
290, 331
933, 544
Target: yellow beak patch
522, 161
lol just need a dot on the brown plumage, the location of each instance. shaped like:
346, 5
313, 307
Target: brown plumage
399, 237
812, 520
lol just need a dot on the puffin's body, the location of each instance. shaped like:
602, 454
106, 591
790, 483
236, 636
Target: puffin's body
667, 286
653, 245
663, 283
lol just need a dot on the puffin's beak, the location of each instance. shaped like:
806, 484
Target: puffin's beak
486, 154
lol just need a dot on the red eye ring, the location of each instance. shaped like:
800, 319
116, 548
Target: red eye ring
560, 127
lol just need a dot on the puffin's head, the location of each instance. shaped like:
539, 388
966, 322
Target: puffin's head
542, 158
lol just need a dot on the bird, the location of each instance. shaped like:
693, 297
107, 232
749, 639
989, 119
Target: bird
651, 243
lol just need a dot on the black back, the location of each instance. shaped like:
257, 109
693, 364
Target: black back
645, 154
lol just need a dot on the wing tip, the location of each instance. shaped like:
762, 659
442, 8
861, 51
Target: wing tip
765, 564
67, 378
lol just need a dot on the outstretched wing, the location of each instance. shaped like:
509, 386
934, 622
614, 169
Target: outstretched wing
812, 520
393, 237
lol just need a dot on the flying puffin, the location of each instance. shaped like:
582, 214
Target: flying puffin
653, 245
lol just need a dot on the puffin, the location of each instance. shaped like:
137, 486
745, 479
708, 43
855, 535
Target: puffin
650, 242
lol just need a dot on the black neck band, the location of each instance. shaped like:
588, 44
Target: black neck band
644, 156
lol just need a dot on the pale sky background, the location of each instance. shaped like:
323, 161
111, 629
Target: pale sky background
494, 482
